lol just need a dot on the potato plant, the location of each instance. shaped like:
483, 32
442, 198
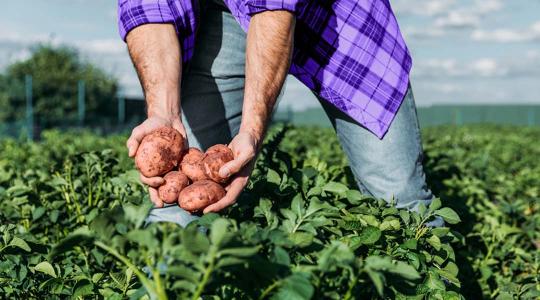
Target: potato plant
72, 215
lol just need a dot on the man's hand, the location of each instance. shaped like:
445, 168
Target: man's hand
135, 139
268, 55
155, 52
244, 147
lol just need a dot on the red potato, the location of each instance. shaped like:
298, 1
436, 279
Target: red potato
191, 164
159, 152
214, 158
175, 182
199, 195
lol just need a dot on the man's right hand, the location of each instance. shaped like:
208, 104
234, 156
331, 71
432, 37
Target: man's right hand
138, 133
156, 55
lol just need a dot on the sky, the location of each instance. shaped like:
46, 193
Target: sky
464, 51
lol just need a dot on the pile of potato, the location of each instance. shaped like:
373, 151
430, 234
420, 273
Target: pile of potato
191, 177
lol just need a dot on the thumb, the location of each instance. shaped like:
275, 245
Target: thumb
235, 165
179, 126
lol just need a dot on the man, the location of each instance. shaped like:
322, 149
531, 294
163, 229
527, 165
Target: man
195, 59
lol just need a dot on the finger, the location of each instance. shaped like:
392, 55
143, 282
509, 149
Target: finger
154, 197
237, 164
234, 190
152, 181
179, 126
134, 140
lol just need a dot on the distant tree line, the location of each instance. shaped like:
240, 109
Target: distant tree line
56, 72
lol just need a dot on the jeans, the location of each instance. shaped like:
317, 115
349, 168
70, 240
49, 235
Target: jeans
212, 95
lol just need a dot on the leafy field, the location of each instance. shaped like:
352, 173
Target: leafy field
72, 225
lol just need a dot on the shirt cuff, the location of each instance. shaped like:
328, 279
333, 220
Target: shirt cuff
133, 13
257, 6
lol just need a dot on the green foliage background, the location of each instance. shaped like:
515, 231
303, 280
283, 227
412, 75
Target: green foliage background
56, 72
72, 214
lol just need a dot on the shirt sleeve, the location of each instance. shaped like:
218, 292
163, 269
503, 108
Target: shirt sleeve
182, 14
257, 6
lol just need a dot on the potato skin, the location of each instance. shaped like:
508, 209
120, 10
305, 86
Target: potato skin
191, 165
175, 182
199, 195
217, 148
159, 152
214, 158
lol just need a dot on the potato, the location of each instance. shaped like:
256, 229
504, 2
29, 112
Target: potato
217, 148
159, 152
214, 158
191, 164
199, 195
175, 182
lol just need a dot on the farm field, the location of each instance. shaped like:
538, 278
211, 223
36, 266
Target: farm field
72, 224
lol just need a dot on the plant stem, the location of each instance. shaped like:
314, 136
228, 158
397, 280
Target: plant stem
144, 280
269, 289
206, 276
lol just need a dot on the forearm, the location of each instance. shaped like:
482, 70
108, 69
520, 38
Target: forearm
155, 52
268, 55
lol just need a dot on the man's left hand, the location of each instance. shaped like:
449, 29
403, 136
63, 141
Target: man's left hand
244, 147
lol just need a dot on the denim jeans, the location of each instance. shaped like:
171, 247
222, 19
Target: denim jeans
212, 95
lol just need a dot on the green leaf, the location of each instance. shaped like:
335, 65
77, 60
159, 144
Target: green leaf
80, 237
448, 214
229, 261
218, 231
433, 282
369, 235
378, 280
435, 204
280, 256
335, 187
448, 276
354, 197
184, 272
37, 213
19, 243
295, 287
240, 251
297, 205
435, 242
83, 288
390, 224
405, 270
411, 244
143, 238
301, 239
273, 177
45, 267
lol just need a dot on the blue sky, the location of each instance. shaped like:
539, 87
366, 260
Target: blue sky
464, 51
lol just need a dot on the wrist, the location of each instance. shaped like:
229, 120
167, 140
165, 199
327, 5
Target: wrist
164, 109
256, 134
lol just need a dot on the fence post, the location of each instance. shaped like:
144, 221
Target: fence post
81, 105
458, 120
121, 109
29, 107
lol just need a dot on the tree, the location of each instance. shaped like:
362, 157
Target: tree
56, 72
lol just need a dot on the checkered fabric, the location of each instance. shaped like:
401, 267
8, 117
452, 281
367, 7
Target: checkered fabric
349, 52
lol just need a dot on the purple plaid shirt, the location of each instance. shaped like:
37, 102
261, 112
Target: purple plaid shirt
349, 52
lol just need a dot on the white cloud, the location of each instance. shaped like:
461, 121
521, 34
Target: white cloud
505, 35
445, 15
488, 6
458, 19
423, 7
452, 68
103, 46
422, 33
486, 67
